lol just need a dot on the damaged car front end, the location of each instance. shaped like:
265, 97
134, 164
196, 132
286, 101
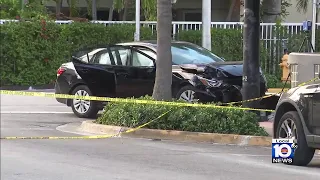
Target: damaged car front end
219, 82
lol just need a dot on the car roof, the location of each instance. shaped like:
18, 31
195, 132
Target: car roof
150, 43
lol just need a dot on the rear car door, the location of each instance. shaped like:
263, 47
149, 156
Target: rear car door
98, 73
134, 71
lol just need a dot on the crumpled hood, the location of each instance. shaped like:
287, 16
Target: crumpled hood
233, 68
176, 69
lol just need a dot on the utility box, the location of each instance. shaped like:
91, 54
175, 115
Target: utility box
303, 67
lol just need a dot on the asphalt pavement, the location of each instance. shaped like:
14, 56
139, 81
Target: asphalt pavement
121, 158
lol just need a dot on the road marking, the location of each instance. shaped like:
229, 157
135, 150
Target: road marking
35, 112
253, 155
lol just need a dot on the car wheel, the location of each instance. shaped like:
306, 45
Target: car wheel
290, 127
187, 93
83, 108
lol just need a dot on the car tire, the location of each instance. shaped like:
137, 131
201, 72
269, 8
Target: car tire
187, 93
84, 108
303, 154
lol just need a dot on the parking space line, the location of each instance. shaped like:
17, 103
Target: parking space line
35, 112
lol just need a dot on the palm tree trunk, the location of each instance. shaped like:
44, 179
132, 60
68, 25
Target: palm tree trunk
271, 10
162, 87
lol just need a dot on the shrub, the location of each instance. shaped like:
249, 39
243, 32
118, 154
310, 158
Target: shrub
32, 51
194, 119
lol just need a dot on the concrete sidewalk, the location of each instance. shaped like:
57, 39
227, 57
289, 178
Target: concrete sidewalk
268, 126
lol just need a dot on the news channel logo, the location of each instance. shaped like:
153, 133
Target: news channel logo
283, 150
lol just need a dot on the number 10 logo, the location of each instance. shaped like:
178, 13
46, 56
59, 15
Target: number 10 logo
282, 150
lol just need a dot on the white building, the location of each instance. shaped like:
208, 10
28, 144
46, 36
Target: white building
190, 10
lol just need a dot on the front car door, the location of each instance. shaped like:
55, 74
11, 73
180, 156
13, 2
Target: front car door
312, 108
134, 71
143, 70
316, 111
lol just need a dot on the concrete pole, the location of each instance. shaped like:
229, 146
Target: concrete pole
206, 24
314, 19
23, 2
251, 62
137, 33
94, 10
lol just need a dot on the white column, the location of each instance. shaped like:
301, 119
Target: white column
94, 10
137, 33
314, 19
206, 24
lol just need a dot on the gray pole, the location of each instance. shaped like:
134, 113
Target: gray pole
314, 19
251, 64
206, 24
22, 4
94, 10
137, 33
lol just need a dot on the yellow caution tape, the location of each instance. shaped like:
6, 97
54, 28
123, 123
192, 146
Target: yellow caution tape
136, 101
90, 137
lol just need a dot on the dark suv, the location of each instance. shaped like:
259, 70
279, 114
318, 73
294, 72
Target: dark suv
298, 117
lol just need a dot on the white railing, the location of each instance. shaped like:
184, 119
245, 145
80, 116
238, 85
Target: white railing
266, 28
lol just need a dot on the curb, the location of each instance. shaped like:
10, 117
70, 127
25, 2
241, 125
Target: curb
276, 90
243, 140
46, 87
231, 139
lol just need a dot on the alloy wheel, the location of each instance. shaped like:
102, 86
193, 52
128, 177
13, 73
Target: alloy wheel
188, 96
81, 106
288, 130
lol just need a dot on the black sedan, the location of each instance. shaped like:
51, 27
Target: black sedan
128, 70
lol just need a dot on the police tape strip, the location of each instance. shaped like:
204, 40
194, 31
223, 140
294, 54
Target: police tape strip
263, 97
129, 100
89, 137
136, 101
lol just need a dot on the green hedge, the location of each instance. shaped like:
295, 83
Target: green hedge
211, 120
31, 52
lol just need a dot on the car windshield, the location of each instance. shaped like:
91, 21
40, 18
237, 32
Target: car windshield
186, 53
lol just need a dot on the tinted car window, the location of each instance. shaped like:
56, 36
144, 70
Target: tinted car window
183, 53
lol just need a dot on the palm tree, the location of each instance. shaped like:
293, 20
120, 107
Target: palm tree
302, 5
271, 10
149, 8
162, 87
